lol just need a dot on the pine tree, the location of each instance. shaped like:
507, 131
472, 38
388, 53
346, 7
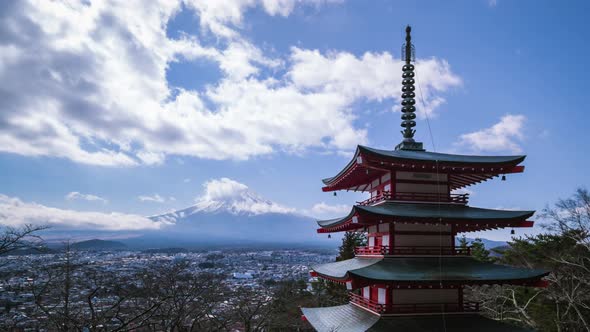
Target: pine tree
479, 251
349, 242
463, 243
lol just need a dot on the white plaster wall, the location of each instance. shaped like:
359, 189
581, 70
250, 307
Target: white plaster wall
381, 295
367, 292
375, 183
385, 240
386, 177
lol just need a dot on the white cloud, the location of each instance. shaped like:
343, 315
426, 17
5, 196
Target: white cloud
236, 197
374, 76
187, 180
88, 83
15, 212
154, 198
330, 211
222, 17
463, 191
502, 136
87, 197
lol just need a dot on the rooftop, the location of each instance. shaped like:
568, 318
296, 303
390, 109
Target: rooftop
465, 217
464, 170
350, 318
416, 270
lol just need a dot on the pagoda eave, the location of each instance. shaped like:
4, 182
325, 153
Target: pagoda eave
414, 271
462, 218
352, 318
355, 282
463, 170
460, 226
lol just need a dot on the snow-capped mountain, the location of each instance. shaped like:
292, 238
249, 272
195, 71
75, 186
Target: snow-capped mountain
227, 196
227, 214
230, 213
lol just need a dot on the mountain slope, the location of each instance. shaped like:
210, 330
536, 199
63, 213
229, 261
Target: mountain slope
96, 244
229, 213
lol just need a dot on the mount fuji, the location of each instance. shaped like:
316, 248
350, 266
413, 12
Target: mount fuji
230, 214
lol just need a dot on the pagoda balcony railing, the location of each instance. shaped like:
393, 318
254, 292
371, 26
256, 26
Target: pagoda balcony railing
416, 197
434, 250
406, 250
411, 308
367, 303
376, 250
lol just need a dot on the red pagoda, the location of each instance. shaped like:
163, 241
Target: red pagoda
411, 276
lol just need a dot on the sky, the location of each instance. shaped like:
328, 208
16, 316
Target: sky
111, 111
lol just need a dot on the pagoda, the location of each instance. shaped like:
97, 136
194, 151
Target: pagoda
411, 276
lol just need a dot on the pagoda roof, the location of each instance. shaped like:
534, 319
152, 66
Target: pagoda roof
457, 159
465, 170
466, 217
408, 270
351, 318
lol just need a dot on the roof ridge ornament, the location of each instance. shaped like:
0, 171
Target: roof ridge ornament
408, 95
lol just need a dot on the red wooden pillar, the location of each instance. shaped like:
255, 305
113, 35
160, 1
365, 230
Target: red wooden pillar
389, 298
391, 237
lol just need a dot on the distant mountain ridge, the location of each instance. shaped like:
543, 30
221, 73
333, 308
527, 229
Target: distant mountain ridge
97, 244
234, 217
241, 203
488, 244
227, 215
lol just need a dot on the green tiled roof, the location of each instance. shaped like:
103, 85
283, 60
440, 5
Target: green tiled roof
424, 156
425, 269
344, 318
350, 318
443, 157
421, 210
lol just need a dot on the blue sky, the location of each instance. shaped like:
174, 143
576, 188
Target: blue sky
131, 108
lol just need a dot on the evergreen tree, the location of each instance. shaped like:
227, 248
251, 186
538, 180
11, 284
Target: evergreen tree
463, 243
479, 251
349, 242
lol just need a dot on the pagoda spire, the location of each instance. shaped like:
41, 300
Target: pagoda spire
408, 95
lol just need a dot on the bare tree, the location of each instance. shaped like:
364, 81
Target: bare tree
16, 238
250, 310
570, 219
505, 303
565, 251
77, 296
187, 301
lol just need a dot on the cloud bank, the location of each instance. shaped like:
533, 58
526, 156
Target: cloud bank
323, 210
74, 195
14, 212
88, 83
506, 135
